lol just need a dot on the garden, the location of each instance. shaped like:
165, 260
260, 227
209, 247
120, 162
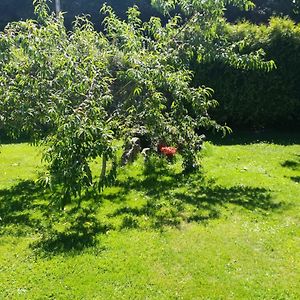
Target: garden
121, 175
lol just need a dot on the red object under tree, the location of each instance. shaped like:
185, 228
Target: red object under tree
168, 151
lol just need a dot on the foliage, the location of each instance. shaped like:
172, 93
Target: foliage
83, 90
252, 98
14, 10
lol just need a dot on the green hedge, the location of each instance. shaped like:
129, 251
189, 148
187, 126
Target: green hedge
253, 98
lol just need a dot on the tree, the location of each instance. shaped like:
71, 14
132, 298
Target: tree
87, 89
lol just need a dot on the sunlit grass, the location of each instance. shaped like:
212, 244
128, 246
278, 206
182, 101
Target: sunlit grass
230, 231
18, 162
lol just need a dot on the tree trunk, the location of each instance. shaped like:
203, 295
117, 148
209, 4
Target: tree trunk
104, 166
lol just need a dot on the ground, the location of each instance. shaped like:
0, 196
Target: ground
229, 231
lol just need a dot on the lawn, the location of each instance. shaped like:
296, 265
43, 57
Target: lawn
229, 231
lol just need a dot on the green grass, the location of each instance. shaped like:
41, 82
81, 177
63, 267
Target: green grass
231, 231
18, 162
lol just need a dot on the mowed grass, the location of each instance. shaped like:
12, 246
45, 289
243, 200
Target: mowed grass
18, 162
230, 231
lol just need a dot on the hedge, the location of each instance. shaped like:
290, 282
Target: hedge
256, 99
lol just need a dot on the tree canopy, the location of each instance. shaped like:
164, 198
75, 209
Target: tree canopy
79, 92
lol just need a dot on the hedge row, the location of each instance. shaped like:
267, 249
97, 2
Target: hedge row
259, 99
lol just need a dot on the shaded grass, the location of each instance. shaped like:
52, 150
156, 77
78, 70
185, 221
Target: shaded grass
246, 137
173, 198
230, 231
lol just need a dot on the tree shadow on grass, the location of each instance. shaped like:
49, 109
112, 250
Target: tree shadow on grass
296, 179
174, 198
170, 198
293, 164
28, 208
80, 228
19, 202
